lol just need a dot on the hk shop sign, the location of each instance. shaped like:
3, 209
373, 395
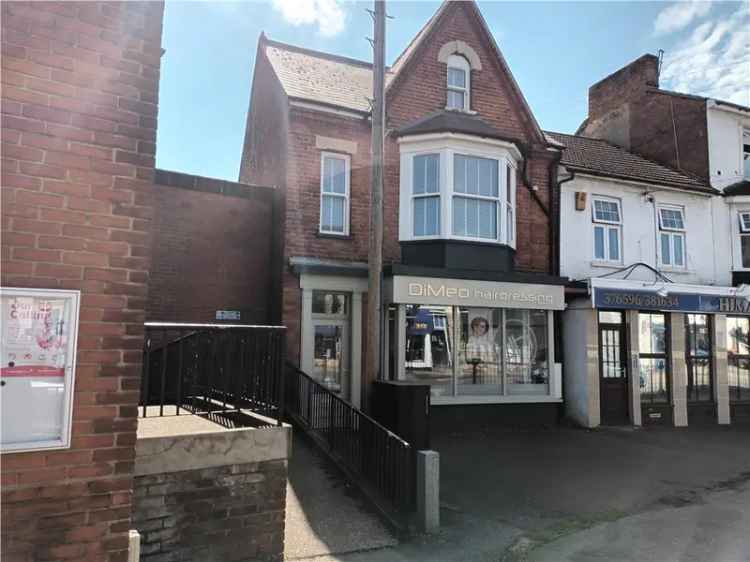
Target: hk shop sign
671, 302
39, 332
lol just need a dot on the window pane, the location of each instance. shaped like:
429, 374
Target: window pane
745, 243
652, 333
488, 219
510, 224
606, 211
666, 256
459, 173
337, 213
614, 244
329, 303
610, 317
479, 352
459, 216
455, 99
325, 213
653, 380
488, 177
526, 351
679, 255
472, 217
457, 77
334, 175
430, 350
426, 174
671, 219
426, 216
744, 222
472, 176
599, 243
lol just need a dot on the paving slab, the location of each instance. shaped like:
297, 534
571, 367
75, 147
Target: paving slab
325, 515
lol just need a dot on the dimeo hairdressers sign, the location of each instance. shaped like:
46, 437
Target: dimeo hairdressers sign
462, 292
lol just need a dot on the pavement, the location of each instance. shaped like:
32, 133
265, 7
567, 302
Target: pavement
324, 513
569, 494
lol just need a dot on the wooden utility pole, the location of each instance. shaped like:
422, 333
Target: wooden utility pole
375, 255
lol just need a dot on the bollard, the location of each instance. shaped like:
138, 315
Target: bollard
134, 546
428, 491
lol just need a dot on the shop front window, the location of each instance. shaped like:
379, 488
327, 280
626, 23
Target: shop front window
652, 343
698, 355
467, 351
738, 348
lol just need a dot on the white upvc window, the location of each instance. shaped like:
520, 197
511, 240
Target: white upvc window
459, 83
510, 204
744, 218
334, 193
426, 195
476, 197
672, 252
606, 216
746, 154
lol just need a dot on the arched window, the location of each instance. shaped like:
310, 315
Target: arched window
459, 83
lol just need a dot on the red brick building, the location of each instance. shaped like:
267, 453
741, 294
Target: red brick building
469, 208
79, 110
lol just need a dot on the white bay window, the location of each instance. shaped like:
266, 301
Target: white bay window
334, 193
459, 190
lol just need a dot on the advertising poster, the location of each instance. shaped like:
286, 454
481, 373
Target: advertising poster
38, 338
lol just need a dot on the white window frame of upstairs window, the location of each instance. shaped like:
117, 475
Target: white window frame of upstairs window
448, 145
438, 195
672, 233
346, 196
743, 231
607, 225
459, 62
745, 162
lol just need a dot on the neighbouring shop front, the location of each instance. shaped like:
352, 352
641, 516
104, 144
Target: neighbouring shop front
645, 353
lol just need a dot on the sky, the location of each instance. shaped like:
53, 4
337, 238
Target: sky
555, 50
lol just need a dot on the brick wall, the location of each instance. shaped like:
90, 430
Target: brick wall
218, 514
79, 104
420, 92
212, 250
628, 109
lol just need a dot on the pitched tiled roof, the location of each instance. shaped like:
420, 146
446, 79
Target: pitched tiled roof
451, 121
598, 157
739, 188
321, 78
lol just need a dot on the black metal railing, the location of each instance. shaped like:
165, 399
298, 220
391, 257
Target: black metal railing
380, 461
214, 370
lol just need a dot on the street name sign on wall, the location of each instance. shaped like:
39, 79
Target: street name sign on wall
672, 302
38, 336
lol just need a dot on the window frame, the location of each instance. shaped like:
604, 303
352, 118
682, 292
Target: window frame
346, 196
737, 394
743, 232
458, 62
607, 226
426, 195
498, 201
745, 150
673, 233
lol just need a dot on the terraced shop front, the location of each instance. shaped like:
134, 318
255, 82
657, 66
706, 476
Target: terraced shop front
475, 341
657, 353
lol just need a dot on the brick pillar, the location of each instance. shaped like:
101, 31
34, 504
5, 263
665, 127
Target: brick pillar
678, 370
79, 104
720, 368
635, 367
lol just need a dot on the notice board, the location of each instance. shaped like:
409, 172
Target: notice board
38, 353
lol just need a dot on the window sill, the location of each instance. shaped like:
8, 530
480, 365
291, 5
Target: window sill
675, 270
331, 235
607, 264
465, 111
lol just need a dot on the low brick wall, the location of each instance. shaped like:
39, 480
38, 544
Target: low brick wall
211, 495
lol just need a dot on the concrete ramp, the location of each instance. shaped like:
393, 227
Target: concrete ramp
325, 515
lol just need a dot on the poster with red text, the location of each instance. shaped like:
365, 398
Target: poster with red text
37, 354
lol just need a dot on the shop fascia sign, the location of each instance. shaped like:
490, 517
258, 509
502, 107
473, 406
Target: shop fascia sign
464, 292
670, 302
